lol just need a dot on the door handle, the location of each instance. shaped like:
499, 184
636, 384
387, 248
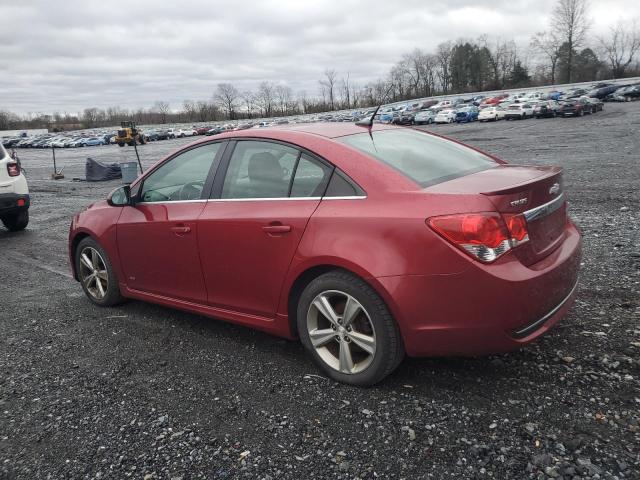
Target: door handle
271, 229
181, 229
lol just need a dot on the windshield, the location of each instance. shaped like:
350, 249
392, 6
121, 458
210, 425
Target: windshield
425, 159
3, 152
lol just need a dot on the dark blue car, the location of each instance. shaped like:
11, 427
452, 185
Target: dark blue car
468, 114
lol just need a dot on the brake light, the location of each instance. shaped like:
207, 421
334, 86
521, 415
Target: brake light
13, 169
483, 236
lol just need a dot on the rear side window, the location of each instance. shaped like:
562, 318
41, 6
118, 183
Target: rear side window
310, 178
424, 158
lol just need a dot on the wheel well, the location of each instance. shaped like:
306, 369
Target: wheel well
74, 244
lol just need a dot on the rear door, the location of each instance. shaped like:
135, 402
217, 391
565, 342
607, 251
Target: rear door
157, 237
249, 231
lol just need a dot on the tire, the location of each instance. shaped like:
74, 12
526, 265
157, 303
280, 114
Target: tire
372, 325
581, 114
120, 144
16, 221
102, 295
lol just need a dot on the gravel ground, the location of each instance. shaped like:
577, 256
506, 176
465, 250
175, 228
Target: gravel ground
145, 392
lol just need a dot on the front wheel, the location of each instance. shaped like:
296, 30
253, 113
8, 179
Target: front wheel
348, 330
96, 274
16, 221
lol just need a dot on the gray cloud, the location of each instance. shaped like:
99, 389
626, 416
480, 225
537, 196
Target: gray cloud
65, 56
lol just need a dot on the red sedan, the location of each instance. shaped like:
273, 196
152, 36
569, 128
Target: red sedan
365, 245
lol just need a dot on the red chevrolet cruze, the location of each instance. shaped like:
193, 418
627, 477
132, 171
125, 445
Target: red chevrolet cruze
365, 244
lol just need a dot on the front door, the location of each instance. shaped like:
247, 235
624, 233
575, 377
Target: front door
247, 236
157, 237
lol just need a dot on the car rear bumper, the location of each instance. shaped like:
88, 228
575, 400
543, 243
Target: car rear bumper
13, 202
487, 308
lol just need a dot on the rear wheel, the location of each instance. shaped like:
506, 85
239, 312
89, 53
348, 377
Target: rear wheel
348, 330
120, 144
96, 274
16, 221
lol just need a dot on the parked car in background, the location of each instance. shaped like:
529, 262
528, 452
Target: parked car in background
467, 114
425, 117
14, 194
93, 141
546, 108
624, 94
495, 100
406, 118
533, 97
444, 104
491, 114
597, 105
445, 116
444, 227
518, 111
554, 95
217, 130
573, 93
202, 130
575, 108
602, 90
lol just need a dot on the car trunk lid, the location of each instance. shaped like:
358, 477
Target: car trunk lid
535, 192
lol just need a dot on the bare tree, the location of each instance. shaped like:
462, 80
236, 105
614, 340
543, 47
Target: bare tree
248, 99
548, 44
569, 19
226, 96
328, 84
190, 109
345, 90
163, 109
266, 98
621, 46
444, 59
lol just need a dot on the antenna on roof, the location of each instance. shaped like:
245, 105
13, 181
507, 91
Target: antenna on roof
369, 121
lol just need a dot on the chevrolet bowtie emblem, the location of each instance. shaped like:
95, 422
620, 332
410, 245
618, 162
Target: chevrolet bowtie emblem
555, 188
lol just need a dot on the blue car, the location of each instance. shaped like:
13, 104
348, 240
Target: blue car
93, 141
555, 95
469, 114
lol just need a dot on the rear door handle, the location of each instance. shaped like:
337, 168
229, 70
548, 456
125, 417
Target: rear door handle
277, 229
181, 229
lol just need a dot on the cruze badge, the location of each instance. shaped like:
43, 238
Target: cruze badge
520, 201
555, 188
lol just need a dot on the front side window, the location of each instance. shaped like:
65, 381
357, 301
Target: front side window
424, 158
260, 170
182, 177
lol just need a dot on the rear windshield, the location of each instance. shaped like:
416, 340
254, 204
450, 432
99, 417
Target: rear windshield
3, 152
424, 158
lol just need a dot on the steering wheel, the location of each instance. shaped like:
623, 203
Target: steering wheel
190, 191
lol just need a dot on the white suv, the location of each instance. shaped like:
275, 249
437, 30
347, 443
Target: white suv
14, 193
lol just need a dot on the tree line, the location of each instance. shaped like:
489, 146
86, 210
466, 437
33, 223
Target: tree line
561, 54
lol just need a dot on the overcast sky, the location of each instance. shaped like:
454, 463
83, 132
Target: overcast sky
65, 55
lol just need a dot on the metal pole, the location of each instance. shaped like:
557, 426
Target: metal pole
55, 169
135, 147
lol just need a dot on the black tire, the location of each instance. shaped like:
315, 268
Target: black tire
112, 294
389, 350
16, 221
121, 144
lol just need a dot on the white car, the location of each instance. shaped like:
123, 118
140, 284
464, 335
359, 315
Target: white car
533, 97
424, 116
14, 193
489, 114
445, 116
519, 111
443, 104
186, 132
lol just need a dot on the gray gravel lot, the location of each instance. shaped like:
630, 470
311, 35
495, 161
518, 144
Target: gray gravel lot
141, 391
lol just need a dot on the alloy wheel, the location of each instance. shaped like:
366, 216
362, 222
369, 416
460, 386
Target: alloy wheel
93, 273
341, 332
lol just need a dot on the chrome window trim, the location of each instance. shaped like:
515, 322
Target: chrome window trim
532, 327
346, 197
261, 199
355, 197
545, 209
172, 201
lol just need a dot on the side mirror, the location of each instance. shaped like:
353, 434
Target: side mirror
120, 197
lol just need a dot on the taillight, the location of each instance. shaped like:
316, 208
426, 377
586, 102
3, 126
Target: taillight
484, 236
13, 168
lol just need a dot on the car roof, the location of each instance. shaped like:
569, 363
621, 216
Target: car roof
322, 129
